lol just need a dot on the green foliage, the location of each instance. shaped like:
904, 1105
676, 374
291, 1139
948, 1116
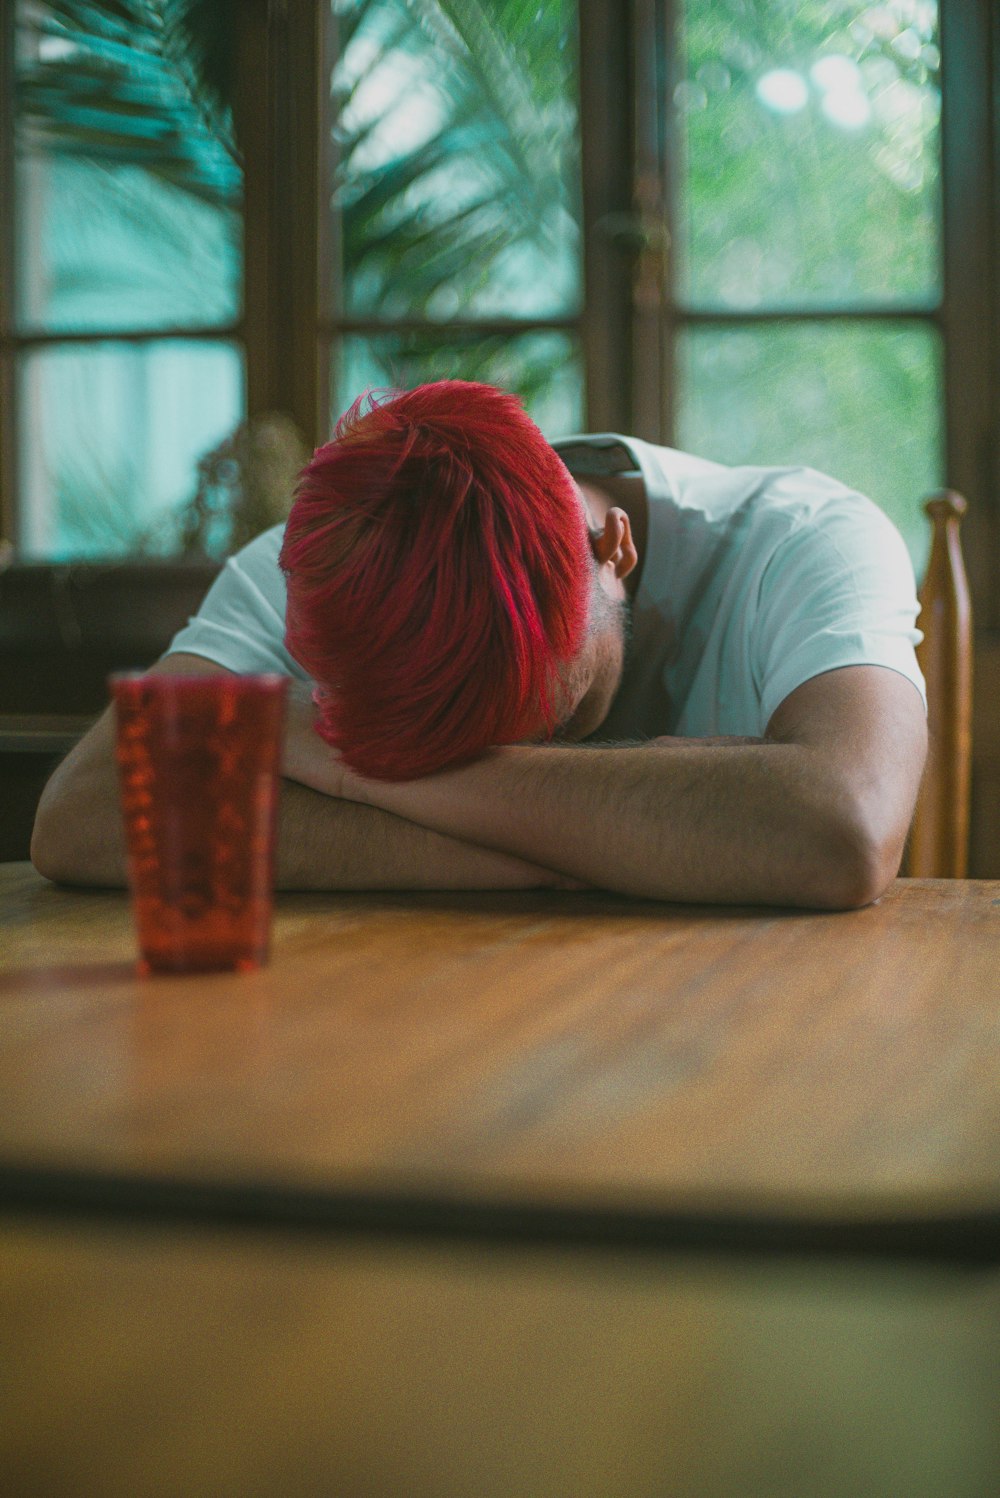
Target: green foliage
137, 83
456, 199
799, 207
457, 181
541, 366
832, 202
860, 402
438, 205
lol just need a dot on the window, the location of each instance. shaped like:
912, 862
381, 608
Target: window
760, 231
807, 247
226, 209
454, 215
806, 235
123, 275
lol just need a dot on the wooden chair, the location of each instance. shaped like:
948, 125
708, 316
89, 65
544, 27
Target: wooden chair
939, 837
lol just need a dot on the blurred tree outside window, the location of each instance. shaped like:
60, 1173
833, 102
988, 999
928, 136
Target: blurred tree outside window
808, 242
127, 283
803, 280
456, 202
456, 218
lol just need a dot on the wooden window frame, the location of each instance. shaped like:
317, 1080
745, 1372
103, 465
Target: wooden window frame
628, 171
287, 331
15, 340
8, 449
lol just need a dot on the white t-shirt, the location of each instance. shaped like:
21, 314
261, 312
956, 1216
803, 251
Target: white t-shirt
754, 581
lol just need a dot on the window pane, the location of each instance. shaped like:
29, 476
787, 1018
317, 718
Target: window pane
457, 134
859, 402
810, 153
128, 187
544, 369
111, 436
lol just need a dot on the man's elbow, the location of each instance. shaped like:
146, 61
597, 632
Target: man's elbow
861, 861
49, 852
71, 850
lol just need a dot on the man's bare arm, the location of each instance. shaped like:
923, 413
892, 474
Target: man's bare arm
815, 816
322, 843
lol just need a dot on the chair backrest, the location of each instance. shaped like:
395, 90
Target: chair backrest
939, 838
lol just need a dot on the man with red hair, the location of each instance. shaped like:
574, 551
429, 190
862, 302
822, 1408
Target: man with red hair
453, 598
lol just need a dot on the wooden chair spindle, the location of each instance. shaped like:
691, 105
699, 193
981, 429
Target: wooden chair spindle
938, 846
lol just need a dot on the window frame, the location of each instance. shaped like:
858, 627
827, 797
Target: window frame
629, 172
287, 334
15, 340
335, 325
8, 450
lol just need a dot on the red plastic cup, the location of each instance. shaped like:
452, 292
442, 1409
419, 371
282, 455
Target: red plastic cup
198, 760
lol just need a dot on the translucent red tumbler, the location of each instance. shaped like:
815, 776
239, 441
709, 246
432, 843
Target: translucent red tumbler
199, 760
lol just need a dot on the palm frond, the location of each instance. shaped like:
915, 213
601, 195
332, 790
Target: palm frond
142, 83
447, 209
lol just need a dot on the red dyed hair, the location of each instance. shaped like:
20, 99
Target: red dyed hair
438, 578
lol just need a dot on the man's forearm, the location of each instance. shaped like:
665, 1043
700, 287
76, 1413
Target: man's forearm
756, 823
322, 843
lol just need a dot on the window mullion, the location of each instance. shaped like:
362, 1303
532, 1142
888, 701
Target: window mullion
8, 414
279, 131
607, 171
742, 317
651, 416
970, 191
301, 212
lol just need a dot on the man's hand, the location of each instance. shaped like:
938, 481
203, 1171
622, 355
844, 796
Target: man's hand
305, 757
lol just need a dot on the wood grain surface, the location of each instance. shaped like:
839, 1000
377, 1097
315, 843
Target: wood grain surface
546, 1047
151, 1365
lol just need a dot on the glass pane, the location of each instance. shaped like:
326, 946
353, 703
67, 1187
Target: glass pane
128, 185
810, 153
111, 437
859, 402
457, 133
544, 369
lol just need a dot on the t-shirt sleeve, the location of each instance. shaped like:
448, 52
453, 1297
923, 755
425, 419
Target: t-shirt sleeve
241, 623
838, 591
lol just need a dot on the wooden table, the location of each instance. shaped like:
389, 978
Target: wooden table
480, 1194
539, 1053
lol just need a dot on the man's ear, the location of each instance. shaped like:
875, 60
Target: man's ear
614, 544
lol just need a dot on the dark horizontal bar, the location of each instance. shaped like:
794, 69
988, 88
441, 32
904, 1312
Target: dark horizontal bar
960, 1238
709, 315
914, 312
38, 338
465, 327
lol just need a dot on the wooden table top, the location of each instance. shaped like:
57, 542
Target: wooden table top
549, 1050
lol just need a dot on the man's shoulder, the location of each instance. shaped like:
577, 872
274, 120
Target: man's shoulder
251, 578
265, 544
745, 510
690, 480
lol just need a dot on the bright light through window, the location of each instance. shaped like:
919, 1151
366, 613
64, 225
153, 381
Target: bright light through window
783, 90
